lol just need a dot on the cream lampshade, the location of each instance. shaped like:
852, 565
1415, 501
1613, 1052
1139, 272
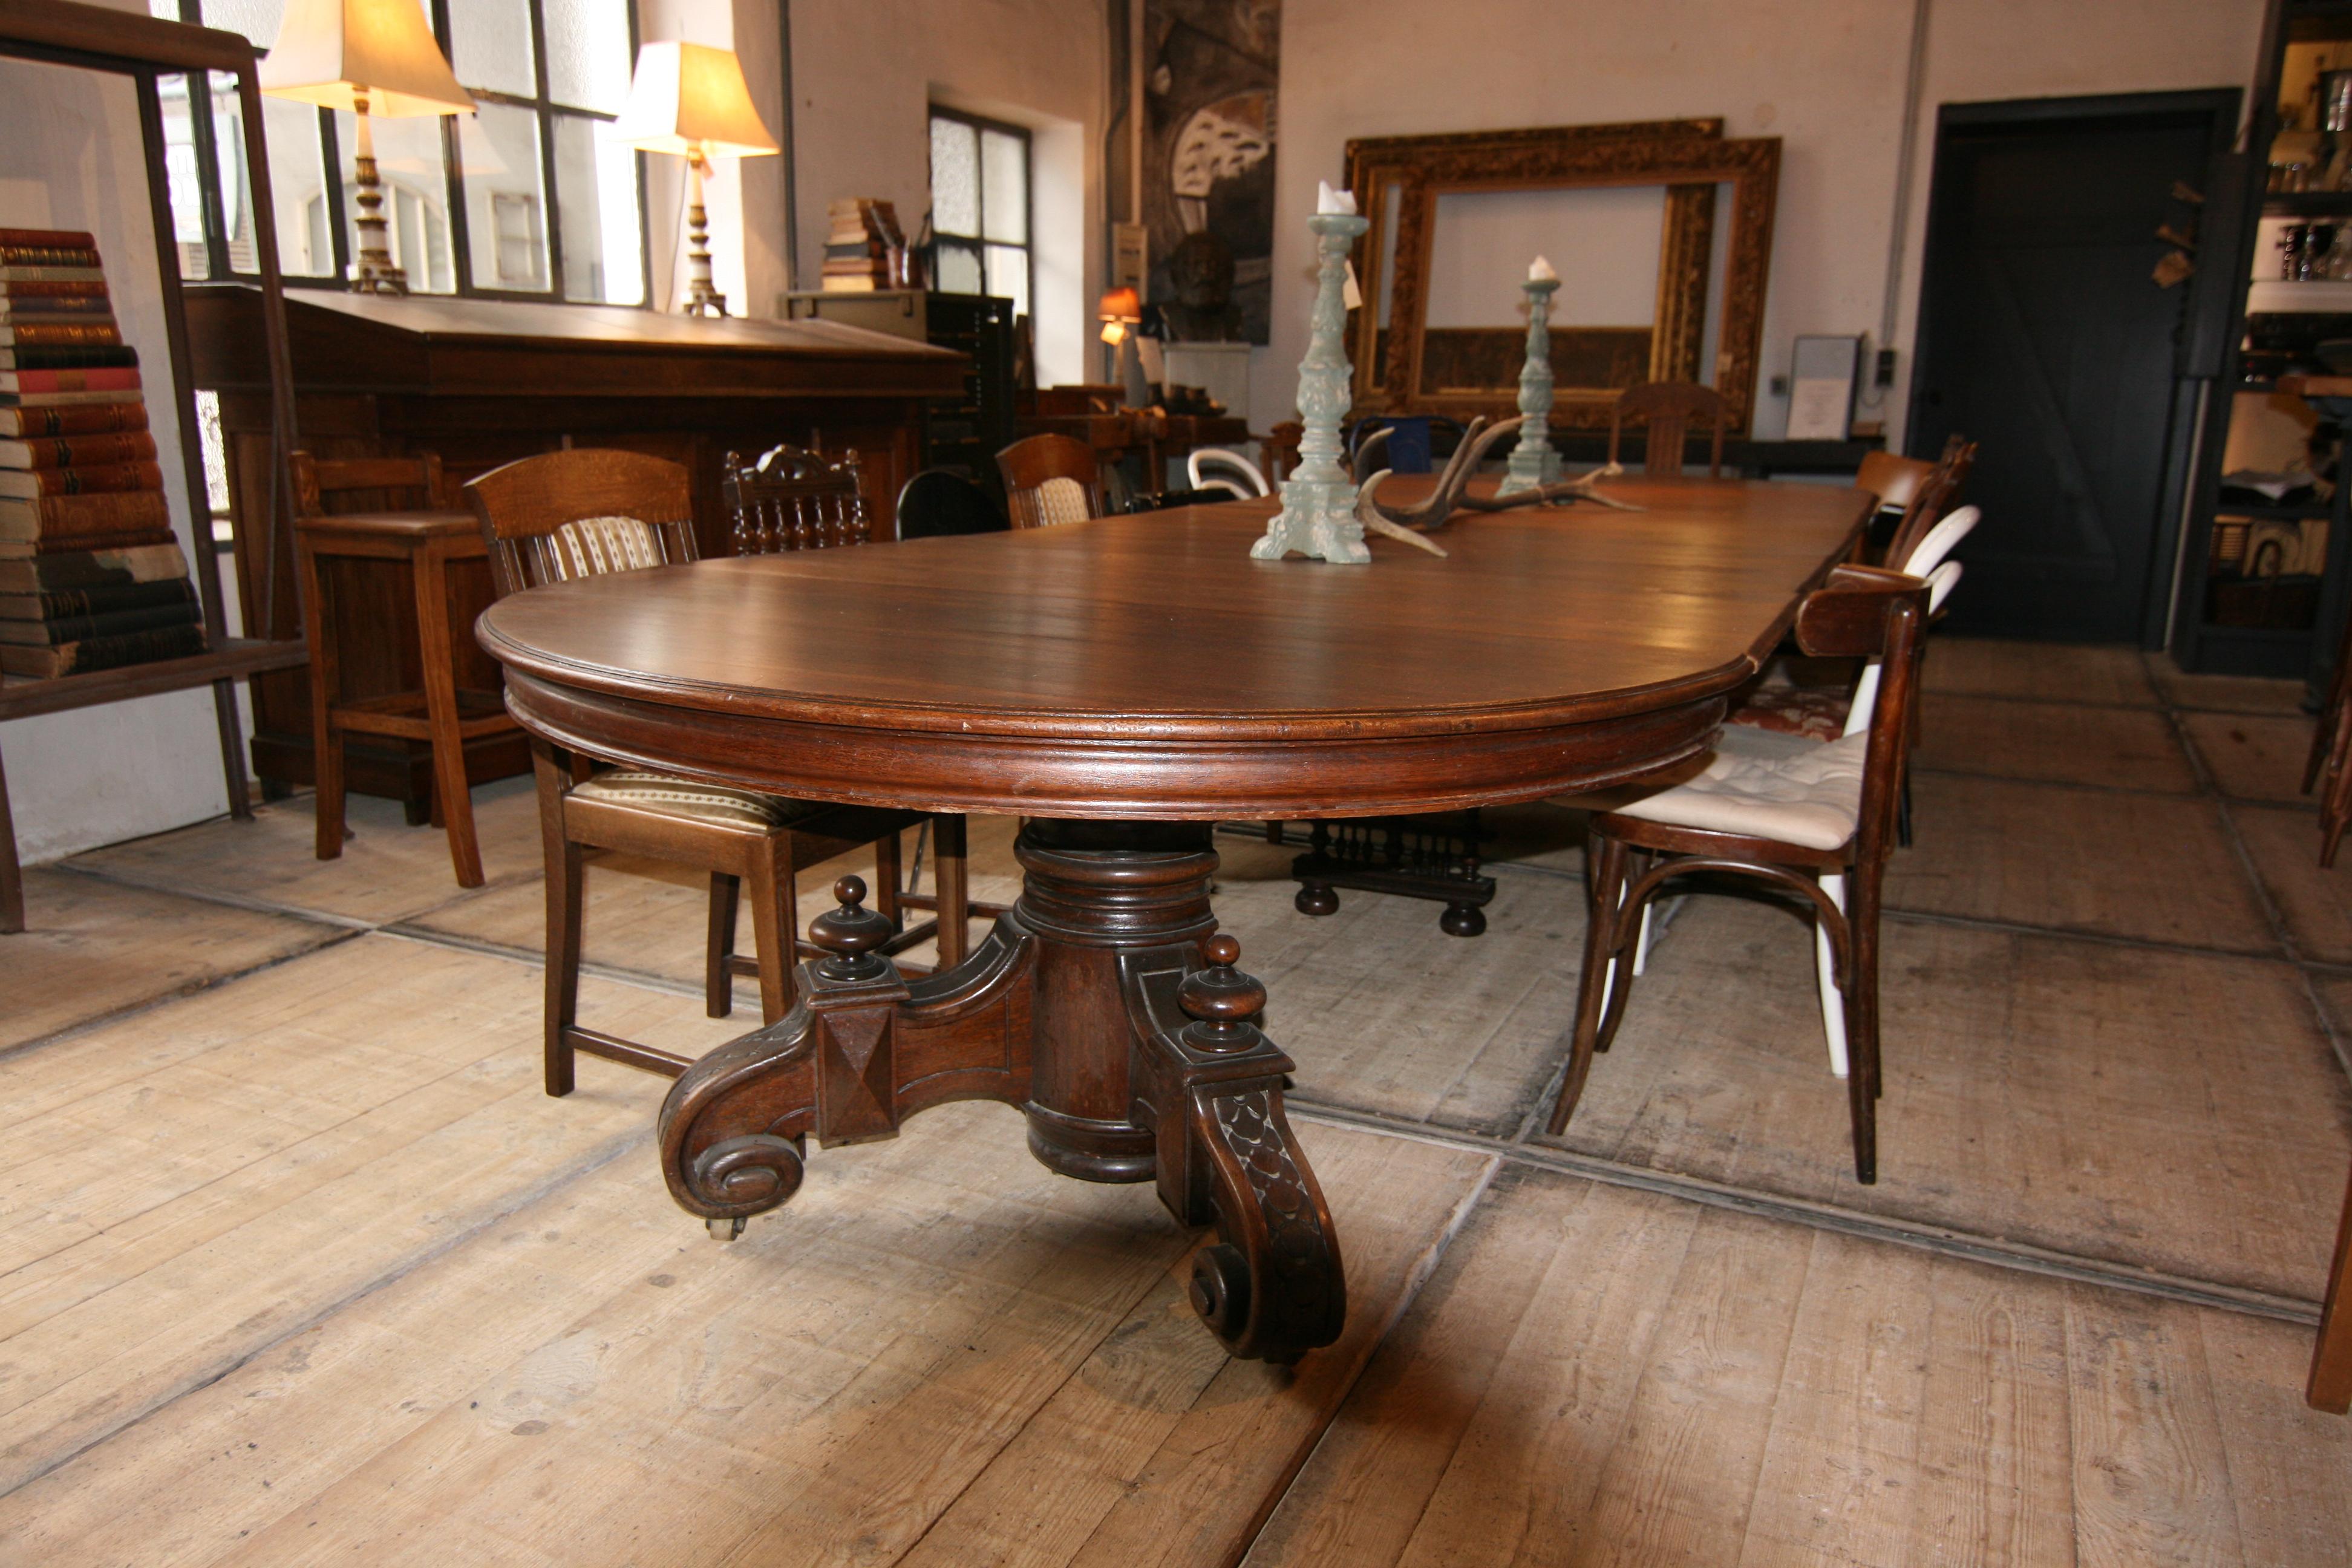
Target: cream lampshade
370, 57
691, 99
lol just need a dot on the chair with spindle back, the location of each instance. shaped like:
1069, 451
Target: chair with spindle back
794, 499
580, 513
1050, 479
390, 510
1669, 409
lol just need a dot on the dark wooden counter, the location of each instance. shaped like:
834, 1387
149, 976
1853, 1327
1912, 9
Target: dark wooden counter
484, 382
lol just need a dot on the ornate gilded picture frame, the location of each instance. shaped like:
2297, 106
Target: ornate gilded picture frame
1403, 366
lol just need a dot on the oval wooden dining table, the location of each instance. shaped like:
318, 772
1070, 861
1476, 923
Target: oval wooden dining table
1122, 685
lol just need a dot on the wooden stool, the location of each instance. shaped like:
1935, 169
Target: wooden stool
439, 713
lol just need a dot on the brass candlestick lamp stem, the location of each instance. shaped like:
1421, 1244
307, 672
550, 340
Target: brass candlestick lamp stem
374, 272
701, 297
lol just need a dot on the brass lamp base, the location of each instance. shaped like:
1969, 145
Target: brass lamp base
373, 272
701, 297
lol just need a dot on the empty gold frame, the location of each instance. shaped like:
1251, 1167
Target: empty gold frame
1406, 367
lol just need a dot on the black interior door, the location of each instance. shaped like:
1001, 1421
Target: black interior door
2044, 337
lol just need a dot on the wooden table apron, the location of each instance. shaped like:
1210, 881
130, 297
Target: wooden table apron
1123, 684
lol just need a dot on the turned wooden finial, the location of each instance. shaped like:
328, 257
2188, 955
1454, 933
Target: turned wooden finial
850, 934
1221, 1000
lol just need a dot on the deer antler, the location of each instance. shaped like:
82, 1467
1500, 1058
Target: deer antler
1433, 512
1368, 512
1581, 488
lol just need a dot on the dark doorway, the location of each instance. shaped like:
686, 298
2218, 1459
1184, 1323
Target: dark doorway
2044, 337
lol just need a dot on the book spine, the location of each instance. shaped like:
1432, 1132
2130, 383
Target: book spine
60, 399
58, 604
76, 308
46, 256
104, 378
21, 288
56, 238
57, 516
23, 335
104, 653
94, 569
66, 356
105, 624
30, 273
83, 543
97, 480
90, 419
78, 452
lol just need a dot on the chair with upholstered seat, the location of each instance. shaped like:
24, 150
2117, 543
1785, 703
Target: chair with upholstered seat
1050, 479
1669, 409
580, 513
1792, 820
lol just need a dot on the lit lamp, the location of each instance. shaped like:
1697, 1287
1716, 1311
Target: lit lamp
691, 99
370, 57
1121, 311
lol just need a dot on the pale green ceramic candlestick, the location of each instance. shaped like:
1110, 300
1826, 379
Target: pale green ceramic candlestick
1534, 462
1318, 499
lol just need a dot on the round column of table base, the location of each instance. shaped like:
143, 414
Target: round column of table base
1096, 892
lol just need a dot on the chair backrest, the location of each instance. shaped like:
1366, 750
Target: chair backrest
1940, 583
1940, 541
1670, 408
1868, 612
1050, 479
581, 513
333, 486
1933, 500
1893, 479
1238, 474
792, 499
940, 502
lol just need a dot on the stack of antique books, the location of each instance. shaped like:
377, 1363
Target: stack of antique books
864, 249
90, 575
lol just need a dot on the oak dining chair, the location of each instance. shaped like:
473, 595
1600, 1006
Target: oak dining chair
390, 510
792, 499
583, 513
1669, 409
1050, 479
940, 503
1789, 820
1215, 468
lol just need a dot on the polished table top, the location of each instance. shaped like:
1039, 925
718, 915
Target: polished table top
1147, 667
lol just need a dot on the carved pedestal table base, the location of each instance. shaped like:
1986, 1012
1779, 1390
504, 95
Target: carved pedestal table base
1104, 1007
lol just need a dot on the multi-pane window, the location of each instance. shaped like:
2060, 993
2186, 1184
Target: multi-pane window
980, 208
523, 198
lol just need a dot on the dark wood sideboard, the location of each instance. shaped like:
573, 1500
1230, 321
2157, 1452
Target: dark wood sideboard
482, 383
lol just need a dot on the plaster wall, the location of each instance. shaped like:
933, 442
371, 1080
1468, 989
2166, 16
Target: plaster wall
1826, 75
71, 158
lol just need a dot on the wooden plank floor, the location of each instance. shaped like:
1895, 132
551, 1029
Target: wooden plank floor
297, 1265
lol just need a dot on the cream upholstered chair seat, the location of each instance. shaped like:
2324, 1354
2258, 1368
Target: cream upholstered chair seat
1060, 500
721, 805
1812, 797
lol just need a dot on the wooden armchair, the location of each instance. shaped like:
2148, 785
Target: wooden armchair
1669, 409
578, 513
1818, 823
1050, 479
390, 510
1933, 501
795, 500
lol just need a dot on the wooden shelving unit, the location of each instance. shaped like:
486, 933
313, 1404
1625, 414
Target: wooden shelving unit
58, 32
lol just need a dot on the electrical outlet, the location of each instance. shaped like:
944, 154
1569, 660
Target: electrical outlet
1886, 372
1779, 386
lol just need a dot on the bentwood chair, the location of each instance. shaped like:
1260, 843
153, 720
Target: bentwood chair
2331, 755
2330, 1384
1215, 468
1669, 409
793, 499
1790, 822
390, 510
580, 513
1050, 479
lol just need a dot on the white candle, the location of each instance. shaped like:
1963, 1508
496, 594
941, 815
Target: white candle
1327, 200
1540, 272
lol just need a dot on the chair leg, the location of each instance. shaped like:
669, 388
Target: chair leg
1604, 888
11, 876
564, 870
1862, 1082
326, 743
886, 881
774, 927
1825, 977
2335, 798
2330, 1387
1623, 969
1902, 812
718, 985
451, 792
951, 872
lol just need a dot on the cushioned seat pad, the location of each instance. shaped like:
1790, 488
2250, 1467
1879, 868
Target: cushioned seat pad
1812, 798
672, 796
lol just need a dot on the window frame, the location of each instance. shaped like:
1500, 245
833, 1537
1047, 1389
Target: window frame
979, 240
546, 111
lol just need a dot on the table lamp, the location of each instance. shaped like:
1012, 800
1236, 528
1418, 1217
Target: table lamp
1122, 310
691, 99
370, 57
